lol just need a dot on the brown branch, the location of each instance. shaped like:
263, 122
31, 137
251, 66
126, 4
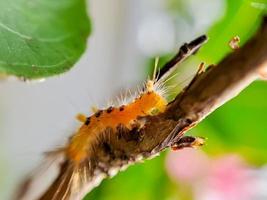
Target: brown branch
208, 91
185, 51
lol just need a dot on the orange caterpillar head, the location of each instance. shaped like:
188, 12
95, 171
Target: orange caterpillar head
152, 103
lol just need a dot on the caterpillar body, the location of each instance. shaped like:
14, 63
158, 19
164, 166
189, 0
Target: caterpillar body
150, 102
76, 158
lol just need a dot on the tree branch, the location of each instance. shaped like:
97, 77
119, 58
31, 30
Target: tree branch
208, 91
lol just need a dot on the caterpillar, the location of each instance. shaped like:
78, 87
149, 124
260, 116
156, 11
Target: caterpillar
75, 159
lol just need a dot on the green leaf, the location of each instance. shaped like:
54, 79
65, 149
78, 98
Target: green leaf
41, 38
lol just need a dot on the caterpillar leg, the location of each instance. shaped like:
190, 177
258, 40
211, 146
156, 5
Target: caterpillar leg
188, 141
81, 117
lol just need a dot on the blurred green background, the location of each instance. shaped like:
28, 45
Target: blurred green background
237, 127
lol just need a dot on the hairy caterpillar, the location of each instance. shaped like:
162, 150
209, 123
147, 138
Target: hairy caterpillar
76, 157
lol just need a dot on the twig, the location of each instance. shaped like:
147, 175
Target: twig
185, 51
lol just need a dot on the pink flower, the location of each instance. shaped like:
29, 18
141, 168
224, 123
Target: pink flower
228, 178
187, 166
225, 178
